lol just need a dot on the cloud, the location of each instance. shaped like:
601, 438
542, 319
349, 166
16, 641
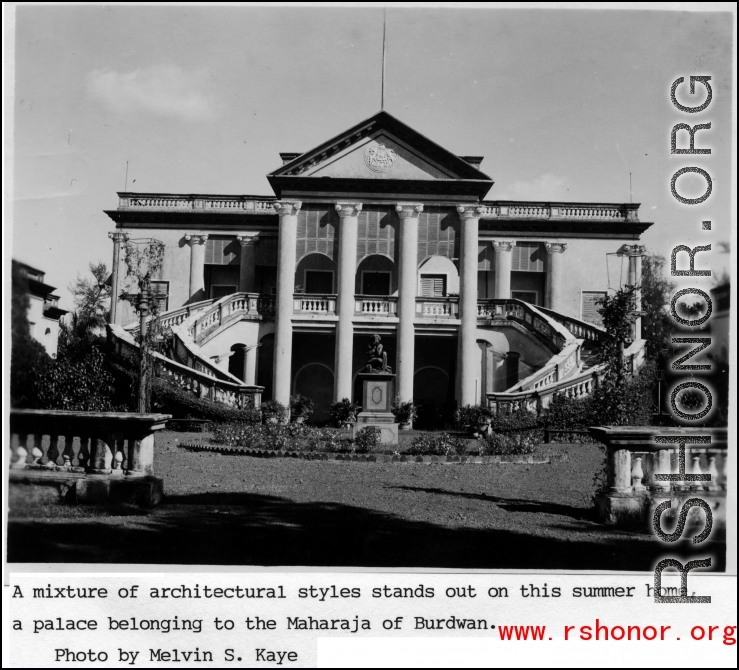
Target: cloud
544, 187
165, 90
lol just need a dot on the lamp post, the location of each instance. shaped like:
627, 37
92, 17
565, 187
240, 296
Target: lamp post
143, 298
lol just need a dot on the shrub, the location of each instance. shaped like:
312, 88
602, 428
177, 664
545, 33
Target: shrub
344, 411
438, 444
517, 443
277, 437
470, 416
367, 439
83, 385
404, 412
515, 421
182, 404
300, 407
273, 410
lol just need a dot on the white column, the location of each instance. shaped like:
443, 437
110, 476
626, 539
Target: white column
407, 289
115, 289
197, 266
248, 267
348, 226
250, 365
503, 263
468, 350
554, 276
288, 212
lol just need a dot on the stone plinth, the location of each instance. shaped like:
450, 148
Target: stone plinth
378, 391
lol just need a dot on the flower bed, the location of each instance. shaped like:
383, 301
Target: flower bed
377, 457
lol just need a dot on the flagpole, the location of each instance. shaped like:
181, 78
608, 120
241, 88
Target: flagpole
384, 29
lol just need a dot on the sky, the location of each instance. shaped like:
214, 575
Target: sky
563, 105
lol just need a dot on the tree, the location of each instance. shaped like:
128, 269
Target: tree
92, 298
657, 324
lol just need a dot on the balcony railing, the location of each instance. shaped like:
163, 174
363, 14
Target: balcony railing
384, 306
438, 308
304, 303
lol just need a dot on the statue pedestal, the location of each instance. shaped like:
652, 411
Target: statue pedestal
378, 391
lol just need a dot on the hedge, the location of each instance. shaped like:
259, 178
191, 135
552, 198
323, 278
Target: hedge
181, 404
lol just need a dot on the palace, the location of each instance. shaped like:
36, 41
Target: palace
379, 231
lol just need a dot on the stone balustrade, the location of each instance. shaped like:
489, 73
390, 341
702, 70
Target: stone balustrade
533, 319
636, 455
580, 329
100, 443
434, 308
93, 457
236, 204
314, 304
195, 374
263, 205
560, 211
375, 306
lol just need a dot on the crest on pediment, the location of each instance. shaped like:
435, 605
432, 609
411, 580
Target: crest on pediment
380, 158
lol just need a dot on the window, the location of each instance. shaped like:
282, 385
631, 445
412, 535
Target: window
160, 291
222, 290
319, 281
433, 286
531, 297
589, 309
528, 257
375, 283
222, 250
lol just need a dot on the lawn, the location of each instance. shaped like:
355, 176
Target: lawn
239, 510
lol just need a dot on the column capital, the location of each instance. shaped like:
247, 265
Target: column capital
195, 239
500, 245
247, 240
408, 210
348, 209
118, 237
555, 247
470, 211
287, 207
632, 250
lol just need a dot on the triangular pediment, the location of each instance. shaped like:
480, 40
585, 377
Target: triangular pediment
381, 149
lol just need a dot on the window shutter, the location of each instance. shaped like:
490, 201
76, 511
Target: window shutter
590, 309
438, 287
222, 250
528, 257
160, 292
427, 287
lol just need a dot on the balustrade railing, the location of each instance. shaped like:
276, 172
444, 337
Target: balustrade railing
375, 305
447, 307
532, 318
195, 374
635, 455
560, 211
580, 329
314, 304
99, 443
237, 204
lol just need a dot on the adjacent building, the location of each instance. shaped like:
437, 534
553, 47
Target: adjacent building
44, 311
380, 230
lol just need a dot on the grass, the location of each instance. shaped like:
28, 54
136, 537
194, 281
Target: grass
237, 510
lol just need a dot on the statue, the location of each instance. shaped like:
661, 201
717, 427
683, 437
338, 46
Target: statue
377, 356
